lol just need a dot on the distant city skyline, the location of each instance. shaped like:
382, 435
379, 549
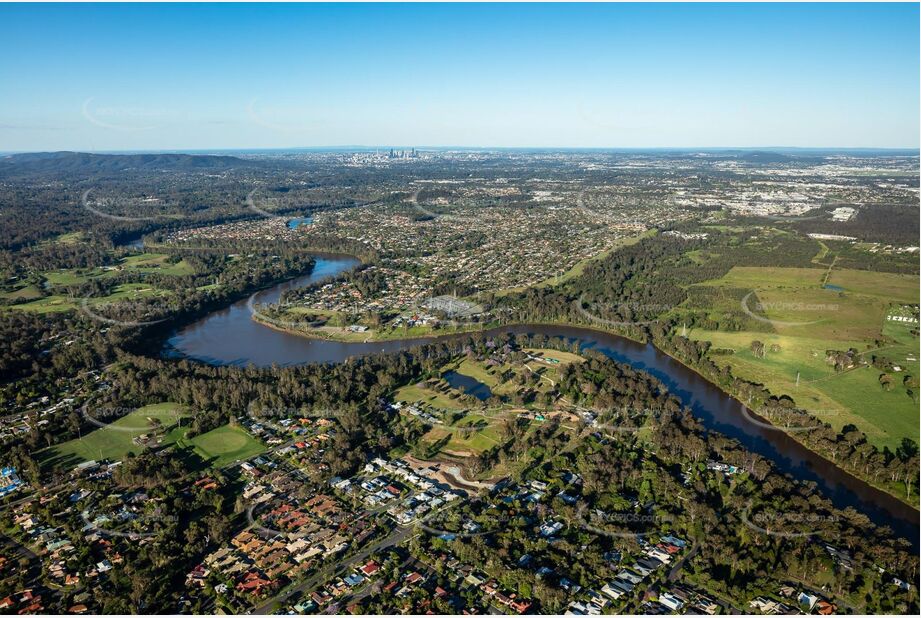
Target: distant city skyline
245, 77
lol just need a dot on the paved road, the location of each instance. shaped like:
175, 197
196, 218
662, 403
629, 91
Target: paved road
676, 570
394, 538
348, 599
400, 534
18, 547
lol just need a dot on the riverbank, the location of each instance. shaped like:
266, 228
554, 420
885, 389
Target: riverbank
343, 335
231, 337
746, 411
901, 496
914, 505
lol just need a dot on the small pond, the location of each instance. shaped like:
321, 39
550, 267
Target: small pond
469, 385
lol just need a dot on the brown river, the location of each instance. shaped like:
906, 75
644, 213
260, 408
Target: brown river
231, 337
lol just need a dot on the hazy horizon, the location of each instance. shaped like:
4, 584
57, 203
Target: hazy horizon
803, 150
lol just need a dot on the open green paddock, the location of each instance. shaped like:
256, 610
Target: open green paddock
471, 435
850, 397
420, 393
58, 303
805, 320
25, 292
115, 440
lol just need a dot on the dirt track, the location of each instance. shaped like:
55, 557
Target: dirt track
449, 474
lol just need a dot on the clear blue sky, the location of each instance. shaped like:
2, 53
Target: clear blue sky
136, 77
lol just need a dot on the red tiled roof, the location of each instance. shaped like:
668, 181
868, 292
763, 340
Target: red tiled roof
413, 577
370, 568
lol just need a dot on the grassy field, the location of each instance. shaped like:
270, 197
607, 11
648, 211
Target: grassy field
422, 394
26, 292
156, 263
478, 430
58, 300
471, 435
224, 445
115, 441
822, 313
546, 365
805, 320
852, 397
888, 286
57, 303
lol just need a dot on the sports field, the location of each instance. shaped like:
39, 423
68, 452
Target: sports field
115, 439
224, 445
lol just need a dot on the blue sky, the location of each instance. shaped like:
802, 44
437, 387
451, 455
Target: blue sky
138, 77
